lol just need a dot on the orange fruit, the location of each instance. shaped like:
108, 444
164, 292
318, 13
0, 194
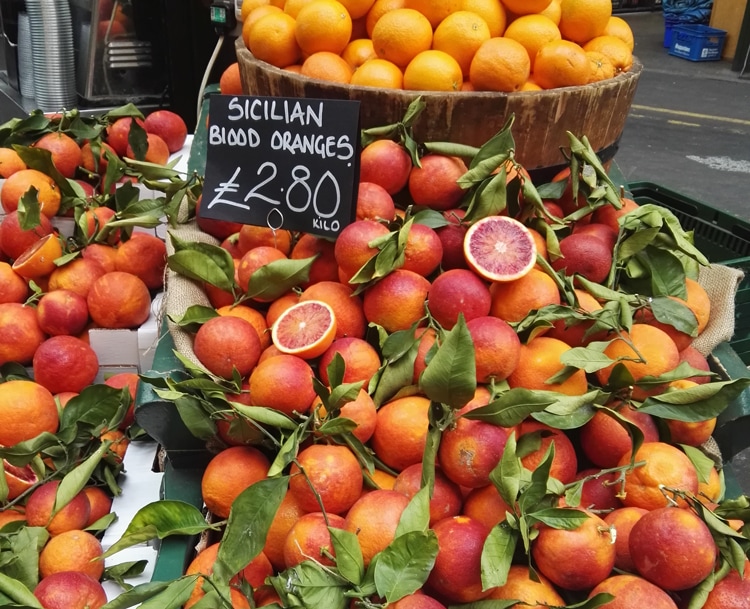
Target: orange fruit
633, 591
485, 505
604, 440
582, 20
380, 73
418, 600
15, 239
272, 39
289, 512
65, 363
401, 431
330, 471
100, 502
711, 490
13, 288
575, 334
98, 164
373, 201
499, 64
65, 152
11, 514
157, 150
373, 519
77, 275
27, 409
492, 11
385, 163
346, 306
77, 589
730, 592
561, 63
10, 162
471, 448
434, 184
514, 300
699, 302
607, 214
665, 466
361, 360
553, 11
19, 326
230, 472
377, 10
284, 383
692, 433
557, 553
657, 546
435, 10
252, 236
614, 48
601, 66
324, 267
293, 7
458, 292
400, 35
254, 573
497, 348
323, 25
39, 509
19, 480
652, 353
623, 519
234, 82
362, 411
326, 65
446, 498
310, 538
379, 479
598, 490
18, 184
357, 8
460, 34
423, 250
499, 248
254, 317
537, 593
119, 300
248, 6
586, 255
73, 550
525, 7
539, 360
39, 259
617, 26
433, 70
358, 51
254, 259
396, 301
532, 31
564, 463
102, 254
145, 256
456, 575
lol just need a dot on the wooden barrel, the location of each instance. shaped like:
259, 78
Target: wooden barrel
542, 118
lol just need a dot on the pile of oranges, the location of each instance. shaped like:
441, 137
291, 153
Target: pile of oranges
445, 45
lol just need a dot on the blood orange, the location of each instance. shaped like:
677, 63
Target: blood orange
305, 329
499, 248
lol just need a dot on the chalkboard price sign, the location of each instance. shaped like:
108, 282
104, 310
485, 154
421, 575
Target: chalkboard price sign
282, 162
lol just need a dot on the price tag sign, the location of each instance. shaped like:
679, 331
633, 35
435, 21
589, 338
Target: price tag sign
283, 162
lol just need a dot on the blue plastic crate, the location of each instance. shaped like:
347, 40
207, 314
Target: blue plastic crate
697, 42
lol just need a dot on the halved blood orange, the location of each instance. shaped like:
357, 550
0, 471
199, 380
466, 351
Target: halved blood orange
38, 259
499, 248
19, 479
305, 329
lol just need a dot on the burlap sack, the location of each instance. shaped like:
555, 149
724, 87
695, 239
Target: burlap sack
181, 292
721, 283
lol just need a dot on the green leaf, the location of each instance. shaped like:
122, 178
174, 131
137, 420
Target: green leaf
266, 416
287, 453
309, 585
158, 520
349, 560
195, 316
202, 262
76, 479
405, 564
25, 547
533, 494
702, 463
416, 516
173, 596
560, 518
674, 313
589, 359
450, 377
249, 520
513, 406
497, 555
698, 403
278, 277
506, 476
17, 592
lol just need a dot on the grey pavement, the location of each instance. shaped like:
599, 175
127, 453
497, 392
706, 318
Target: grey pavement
689, 125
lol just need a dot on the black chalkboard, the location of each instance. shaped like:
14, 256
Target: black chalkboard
283, 162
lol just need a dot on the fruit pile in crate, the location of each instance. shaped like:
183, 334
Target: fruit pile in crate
82, 259
482, 393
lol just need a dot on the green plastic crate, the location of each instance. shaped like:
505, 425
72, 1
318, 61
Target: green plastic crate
723, 238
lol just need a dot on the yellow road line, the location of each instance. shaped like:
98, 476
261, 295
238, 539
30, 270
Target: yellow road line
723, 119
